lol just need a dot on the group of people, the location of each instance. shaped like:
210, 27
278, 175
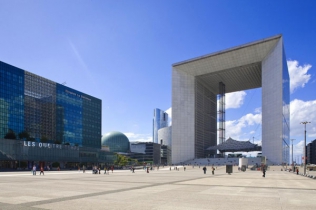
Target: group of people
205, 169
97, 170
34, 170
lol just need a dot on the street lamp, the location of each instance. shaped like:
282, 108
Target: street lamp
292, 155
305, 145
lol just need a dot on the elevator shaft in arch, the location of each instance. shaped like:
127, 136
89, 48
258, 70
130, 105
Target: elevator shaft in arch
221, 113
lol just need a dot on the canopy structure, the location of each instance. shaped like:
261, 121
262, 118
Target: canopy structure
231, 145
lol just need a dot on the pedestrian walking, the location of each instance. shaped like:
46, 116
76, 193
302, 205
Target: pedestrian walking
42, 170
204, 169
34, 170
213, 170
104, 169
264, 171
133, 169
296, 171
83, 169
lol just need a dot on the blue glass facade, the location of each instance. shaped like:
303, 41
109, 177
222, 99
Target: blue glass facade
11, 99
48, 111
286, 111
69, 115
160, 121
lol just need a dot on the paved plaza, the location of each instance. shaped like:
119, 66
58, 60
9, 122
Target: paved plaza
162, 189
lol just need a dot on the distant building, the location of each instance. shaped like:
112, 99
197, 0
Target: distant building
116, 141
146, 152
311, 152
160, 121
164, 137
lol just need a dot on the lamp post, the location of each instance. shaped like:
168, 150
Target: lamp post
292, 156
305, 145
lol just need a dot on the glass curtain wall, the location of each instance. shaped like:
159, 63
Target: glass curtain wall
47, 111
11, 99
286, 112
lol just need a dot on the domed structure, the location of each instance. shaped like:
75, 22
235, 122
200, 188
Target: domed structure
116, 141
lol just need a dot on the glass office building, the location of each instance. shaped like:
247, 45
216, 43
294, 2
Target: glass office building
160, 121
47, 111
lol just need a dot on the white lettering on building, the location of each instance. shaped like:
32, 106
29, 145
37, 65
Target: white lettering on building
48, 145
78, 95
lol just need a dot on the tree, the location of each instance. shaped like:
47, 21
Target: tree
55, 164
121, 160
57, 142
44, 139
24, 135
133, 161
10, 135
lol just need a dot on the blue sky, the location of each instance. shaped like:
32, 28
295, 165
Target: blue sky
122, 52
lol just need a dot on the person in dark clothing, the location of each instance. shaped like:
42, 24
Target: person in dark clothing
264, 171
213, 169
204, 169
296, 171
42, 171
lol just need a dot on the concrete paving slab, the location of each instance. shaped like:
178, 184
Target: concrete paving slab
159, 189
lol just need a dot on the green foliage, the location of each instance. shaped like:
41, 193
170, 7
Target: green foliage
55, 164
44, 139
133, 161
57, 142
23, 164
121, 160
24, 135
10, 135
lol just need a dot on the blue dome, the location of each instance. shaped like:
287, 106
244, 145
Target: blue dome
116, 141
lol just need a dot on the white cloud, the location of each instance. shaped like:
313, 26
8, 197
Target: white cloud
298, 74
234, 127
169, 112
139, 137
235, 99
258, 110
301, 111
